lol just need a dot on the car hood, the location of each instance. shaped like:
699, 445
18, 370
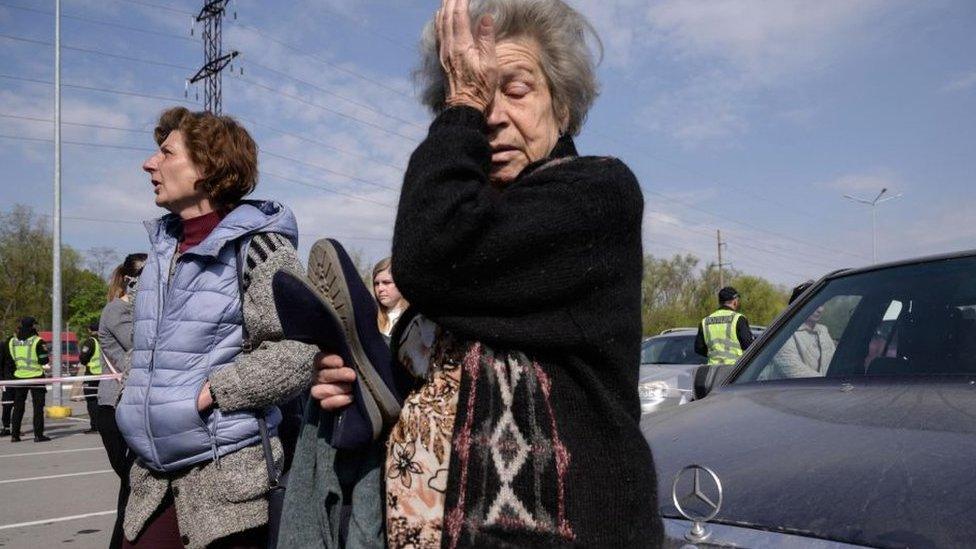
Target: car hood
881, 461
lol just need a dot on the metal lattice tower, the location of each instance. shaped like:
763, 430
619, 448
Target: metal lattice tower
215, 59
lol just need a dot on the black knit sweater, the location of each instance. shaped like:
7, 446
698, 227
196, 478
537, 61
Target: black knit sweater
550, 266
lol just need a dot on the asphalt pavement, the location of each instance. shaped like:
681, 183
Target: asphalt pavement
60, 493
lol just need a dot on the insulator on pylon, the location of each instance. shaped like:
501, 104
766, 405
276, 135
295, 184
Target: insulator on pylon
242, 71
198, 95
235, 15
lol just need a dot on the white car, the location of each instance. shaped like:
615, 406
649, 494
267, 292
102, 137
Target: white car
668, 362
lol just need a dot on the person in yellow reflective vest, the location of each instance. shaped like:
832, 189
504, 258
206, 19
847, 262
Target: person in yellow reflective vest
30, 358
724, 334
91, 358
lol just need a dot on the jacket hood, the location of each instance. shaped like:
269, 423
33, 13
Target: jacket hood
248, 217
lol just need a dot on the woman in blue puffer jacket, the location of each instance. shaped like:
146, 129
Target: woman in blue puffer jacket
208, 362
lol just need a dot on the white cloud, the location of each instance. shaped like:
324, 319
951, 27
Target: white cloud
961, 82
863, 182
729, 52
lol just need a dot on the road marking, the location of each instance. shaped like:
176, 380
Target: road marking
8, 481
53, 520
50, 452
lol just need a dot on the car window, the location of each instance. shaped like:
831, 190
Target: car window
671, 350
914, 319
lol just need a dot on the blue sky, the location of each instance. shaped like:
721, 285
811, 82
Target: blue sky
751, 117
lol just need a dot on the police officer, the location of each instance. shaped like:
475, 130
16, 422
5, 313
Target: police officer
6, 374
91, 357
30, 360
724, 334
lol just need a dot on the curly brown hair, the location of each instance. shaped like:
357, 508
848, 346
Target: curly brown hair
220, 147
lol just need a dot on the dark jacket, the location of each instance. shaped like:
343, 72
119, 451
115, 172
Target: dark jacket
550, 266
742, 331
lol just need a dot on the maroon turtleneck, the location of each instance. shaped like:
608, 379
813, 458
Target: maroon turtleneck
197, 228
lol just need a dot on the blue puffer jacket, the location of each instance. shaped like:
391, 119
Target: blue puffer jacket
185, 327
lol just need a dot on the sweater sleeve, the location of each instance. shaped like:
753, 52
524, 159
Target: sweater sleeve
275, 369
700, 346
744, 333
115, 332
461, 244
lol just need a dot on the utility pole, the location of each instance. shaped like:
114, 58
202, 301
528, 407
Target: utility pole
212, 15
721, 271
874, 217
56, 274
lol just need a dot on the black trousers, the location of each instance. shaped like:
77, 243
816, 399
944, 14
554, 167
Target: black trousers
8, 406
20, 401
91, 402
121, 458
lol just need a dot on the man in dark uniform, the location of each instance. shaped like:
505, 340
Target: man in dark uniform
6, 374
91, 358
30, 357
724, 334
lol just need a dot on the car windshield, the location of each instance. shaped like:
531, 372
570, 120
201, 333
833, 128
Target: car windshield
909, 319
672, 349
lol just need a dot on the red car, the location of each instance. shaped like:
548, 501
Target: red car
69, 350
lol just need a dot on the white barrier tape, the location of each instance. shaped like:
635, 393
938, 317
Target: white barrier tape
39, 382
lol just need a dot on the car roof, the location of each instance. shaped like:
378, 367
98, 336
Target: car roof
900, 263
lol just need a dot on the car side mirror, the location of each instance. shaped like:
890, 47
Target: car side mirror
705, 378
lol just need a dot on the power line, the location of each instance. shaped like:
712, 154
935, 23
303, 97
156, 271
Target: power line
333, 94
104, 90
362, 25
326, 189
99, 22
263, 151
323, 60
98, 52
792, 256
327, 109
158, 6
80, 124
322, 144
134, 222
325, 169
79, 143
750, 225
665, 160
263, 172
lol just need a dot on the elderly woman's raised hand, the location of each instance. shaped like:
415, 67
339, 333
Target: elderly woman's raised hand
468, 57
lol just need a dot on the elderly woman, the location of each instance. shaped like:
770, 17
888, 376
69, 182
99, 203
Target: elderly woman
208, 363
527, 259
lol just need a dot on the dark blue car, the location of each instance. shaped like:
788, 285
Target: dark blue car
852, 420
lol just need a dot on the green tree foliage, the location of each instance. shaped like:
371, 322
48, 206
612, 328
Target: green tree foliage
88, 292
25, 275
676, 293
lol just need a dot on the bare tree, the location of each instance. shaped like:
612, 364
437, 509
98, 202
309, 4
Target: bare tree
101, 259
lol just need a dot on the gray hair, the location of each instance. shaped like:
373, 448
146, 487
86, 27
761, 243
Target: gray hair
566, 60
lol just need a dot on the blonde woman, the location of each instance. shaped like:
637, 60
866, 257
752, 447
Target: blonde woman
390, 303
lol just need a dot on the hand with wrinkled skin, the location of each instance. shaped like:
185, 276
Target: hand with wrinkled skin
333, 382
468, 57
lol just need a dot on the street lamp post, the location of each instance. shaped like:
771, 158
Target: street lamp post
874, 216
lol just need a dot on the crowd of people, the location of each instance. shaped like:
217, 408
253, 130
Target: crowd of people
505, 324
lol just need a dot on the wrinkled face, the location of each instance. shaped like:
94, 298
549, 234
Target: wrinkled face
385, 290
522, 122
174, 176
